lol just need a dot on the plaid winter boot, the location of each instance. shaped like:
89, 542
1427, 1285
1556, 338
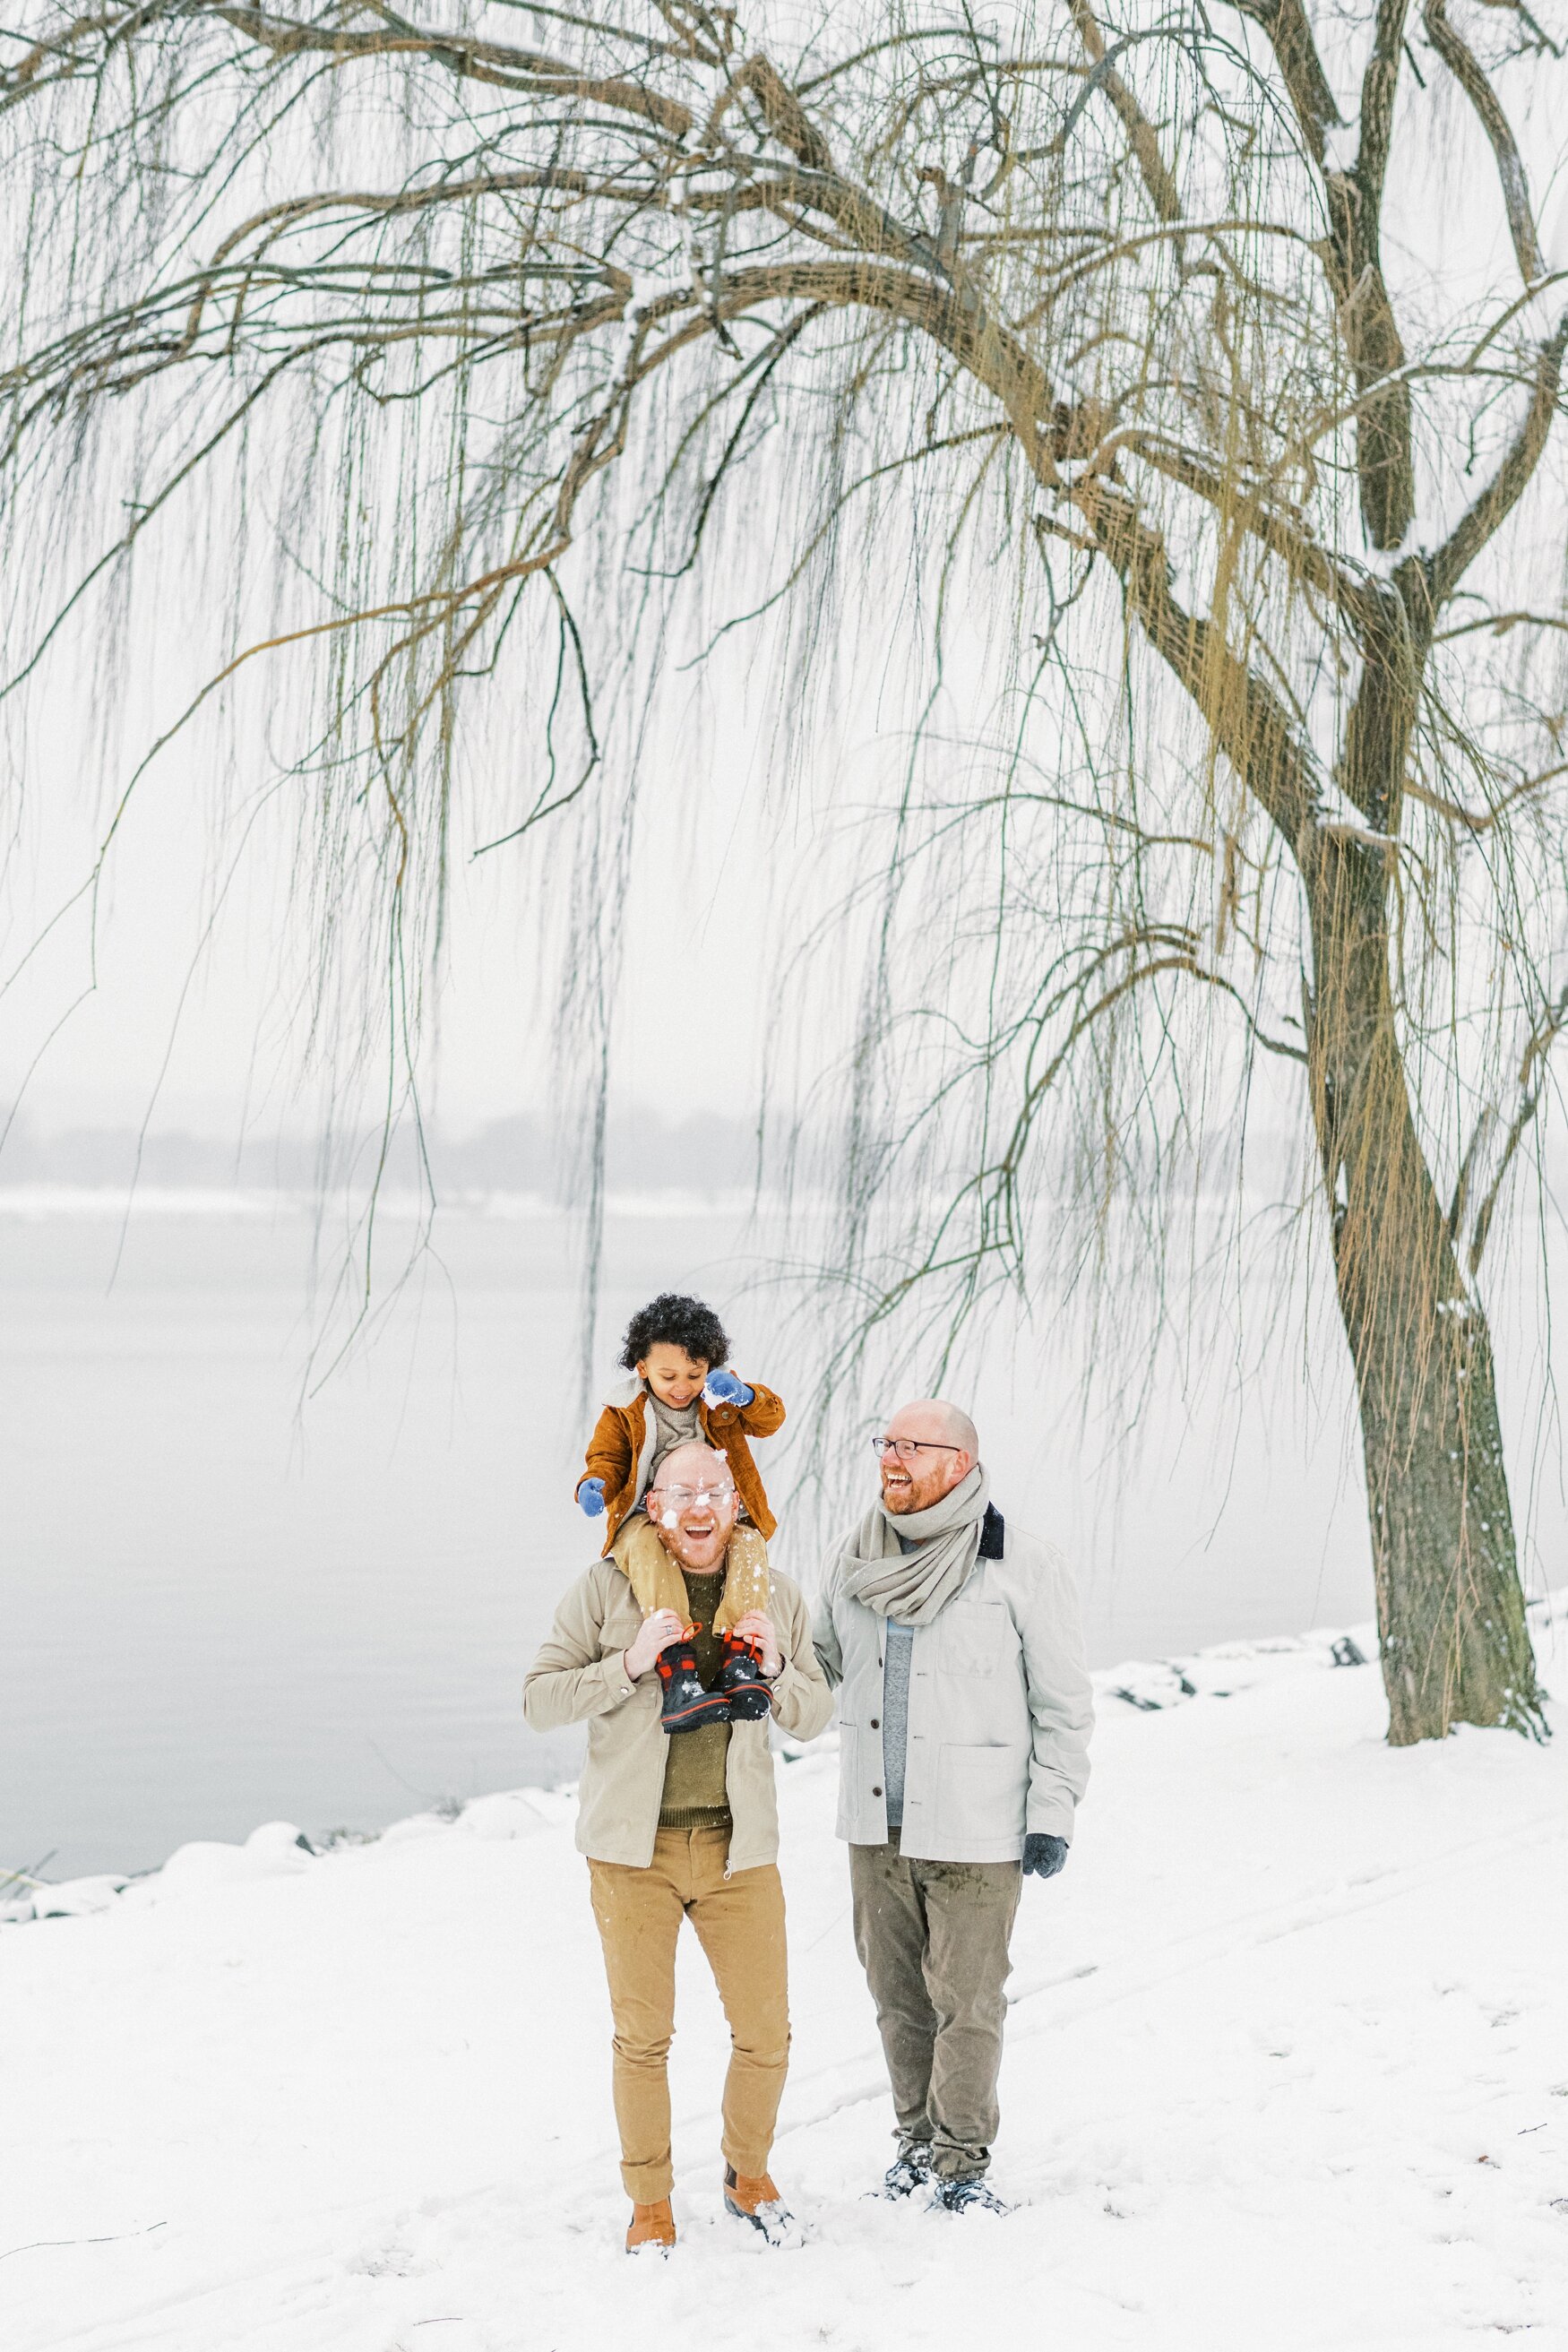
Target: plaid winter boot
686, 1705
742, 1683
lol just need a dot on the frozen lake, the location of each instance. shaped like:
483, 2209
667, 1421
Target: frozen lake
220, 1607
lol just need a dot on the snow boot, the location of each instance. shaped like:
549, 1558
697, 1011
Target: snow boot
759, 2202
970, 2195
686, 1705
652, 2229
910, 2169
742, 1681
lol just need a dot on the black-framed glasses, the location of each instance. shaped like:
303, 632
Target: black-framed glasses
909, 1449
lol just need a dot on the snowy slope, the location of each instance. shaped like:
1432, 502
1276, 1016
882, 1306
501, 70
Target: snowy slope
1288, 2066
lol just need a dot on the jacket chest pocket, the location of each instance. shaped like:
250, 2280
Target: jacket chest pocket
619, 1630
977, 1638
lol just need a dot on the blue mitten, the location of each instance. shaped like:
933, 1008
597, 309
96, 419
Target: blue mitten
591, 1494
723, 1388
1044, 1853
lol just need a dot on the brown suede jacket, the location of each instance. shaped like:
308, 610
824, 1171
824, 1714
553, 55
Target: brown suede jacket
625, 1437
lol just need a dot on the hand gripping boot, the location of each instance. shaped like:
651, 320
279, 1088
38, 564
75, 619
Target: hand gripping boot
742, 1681
686, 1705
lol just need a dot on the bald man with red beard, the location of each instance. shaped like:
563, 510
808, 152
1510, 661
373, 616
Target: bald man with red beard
952, 1639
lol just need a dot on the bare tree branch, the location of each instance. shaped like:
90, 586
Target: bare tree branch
1251, 508
1248, 721
1291, 36
492, 62
1379, 88
1371, 334
1531, 1085
1462, 64
1448, 565
1164, 194
1500, 624
1479, 820
787, 117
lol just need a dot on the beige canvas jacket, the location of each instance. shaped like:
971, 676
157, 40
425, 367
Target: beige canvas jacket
578, 1677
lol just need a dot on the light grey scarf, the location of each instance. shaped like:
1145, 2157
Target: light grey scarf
914, 1587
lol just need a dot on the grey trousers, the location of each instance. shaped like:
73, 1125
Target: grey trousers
932, 1939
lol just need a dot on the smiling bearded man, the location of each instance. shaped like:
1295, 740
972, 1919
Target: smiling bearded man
684, 1829
965, 1714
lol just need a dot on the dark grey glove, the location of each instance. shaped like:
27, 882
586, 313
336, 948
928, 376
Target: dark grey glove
1043, 1853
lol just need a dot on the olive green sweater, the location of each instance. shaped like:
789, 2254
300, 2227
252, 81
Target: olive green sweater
695, 1796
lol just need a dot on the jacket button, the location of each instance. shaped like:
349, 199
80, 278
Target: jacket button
876, 1792
875, 1725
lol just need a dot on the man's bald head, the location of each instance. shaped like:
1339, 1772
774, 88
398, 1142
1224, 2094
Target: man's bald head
947, 1423
694, 1465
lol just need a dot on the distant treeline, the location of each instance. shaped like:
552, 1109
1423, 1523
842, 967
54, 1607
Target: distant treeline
531, 1153
521, 1154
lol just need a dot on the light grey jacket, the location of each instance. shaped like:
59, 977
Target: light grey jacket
578, 1677
1000, 1708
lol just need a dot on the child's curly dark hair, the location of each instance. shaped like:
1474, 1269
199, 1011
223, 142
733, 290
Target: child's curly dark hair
679, 1322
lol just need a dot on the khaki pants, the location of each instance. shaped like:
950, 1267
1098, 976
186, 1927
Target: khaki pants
932, 1939
739, 1923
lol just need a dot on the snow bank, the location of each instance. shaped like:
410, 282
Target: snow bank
1288, 2066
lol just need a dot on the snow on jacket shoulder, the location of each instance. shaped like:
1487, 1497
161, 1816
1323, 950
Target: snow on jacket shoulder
622, 1448
1000, 1706
579, 1677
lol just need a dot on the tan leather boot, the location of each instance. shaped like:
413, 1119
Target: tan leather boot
759, 2202
651, 2225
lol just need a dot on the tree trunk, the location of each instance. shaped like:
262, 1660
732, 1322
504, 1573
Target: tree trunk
1450, 1608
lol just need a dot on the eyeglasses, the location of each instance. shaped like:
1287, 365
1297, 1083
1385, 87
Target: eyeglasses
908, 1448
681, 1498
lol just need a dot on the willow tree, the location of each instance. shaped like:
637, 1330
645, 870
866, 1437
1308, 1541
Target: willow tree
526, 307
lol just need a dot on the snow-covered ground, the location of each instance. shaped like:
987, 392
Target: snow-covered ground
1288, 2066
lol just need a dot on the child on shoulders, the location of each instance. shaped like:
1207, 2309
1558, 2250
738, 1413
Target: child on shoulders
679, 1393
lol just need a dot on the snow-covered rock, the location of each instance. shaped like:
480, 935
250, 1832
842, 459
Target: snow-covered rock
73, 1898
417, 1826
1154, 1683
517, 1812
277, 1850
